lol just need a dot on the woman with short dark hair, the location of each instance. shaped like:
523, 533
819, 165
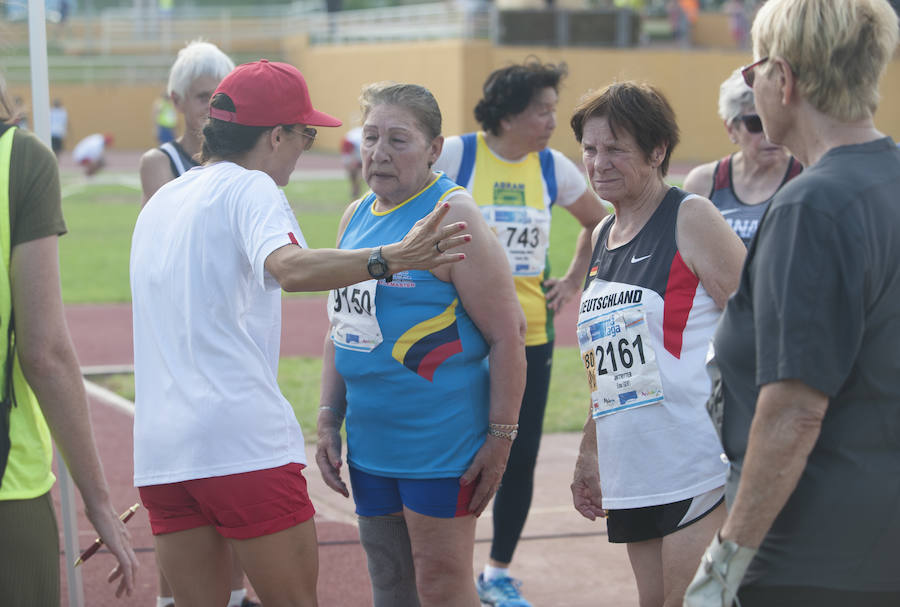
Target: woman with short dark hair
517, 181
662, 269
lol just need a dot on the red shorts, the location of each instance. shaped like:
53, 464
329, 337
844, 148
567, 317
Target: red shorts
240, 506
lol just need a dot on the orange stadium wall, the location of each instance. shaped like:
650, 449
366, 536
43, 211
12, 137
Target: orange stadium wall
454, 71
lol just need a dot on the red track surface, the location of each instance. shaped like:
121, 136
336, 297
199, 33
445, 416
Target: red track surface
102, 336
559, 552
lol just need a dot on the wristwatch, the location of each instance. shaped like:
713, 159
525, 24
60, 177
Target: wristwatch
378, 267
507, 431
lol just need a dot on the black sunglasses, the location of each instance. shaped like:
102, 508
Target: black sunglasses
752, 122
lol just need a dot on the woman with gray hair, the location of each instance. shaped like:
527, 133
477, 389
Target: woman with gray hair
427, 367
196, 73
807, 346
742, 184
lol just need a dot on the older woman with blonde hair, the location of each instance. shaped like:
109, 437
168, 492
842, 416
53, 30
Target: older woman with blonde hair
742, 184
807, 347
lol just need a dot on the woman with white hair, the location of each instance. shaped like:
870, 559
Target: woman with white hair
742, 184
807, 346
196, 73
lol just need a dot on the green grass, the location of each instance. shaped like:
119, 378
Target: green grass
100, 217
94, 266
299, 379
94, 254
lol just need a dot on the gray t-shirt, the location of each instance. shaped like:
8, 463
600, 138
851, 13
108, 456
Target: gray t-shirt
819, 301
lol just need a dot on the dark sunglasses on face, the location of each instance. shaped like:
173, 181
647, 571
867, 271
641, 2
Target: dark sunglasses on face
749, 71
752, 123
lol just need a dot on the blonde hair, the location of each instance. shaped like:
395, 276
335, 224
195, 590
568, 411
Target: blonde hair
837, 50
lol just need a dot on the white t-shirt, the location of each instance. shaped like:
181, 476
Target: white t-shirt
90, 148
59, 121
570, 183
207, 328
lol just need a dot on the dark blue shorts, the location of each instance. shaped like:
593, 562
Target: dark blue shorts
437, 497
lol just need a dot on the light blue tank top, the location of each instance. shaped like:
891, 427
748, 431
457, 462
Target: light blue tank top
417, 405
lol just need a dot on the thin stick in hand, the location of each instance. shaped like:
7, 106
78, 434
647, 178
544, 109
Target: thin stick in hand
124, 517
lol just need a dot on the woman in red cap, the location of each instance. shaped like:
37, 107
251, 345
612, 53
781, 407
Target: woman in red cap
218, 450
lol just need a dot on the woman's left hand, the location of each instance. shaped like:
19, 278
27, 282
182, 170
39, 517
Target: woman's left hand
328, 457
118, 540
559, 291
487, 471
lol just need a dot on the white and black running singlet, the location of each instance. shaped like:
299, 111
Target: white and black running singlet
179, 160
644, 327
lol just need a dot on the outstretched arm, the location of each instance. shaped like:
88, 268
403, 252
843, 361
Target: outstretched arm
299, 269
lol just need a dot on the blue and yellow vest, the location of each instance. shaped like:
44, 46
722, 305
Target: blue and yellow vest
417, 404
28, 469
530, 182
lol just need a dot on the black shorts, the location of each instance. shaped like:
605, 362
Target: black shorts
651, 522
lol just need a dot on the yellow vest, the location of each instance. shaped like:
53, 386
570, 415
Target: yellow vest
518, 184
28, 471
165, 114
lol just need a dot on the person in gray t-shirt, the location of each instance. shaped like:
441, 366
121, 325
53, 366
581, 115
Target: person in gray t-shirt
808, 346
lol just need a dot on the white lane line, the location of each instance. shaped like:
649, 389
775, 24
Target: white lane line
108, 397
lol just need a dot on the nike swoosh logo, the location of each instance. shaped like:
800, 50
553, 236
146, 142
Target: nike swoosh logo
638, 259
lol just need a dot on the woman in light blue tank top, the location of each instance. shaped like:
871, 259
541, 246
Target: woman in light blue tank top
426, 368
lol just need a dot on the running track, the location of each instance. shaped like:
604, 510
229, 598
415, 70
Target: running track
103, 339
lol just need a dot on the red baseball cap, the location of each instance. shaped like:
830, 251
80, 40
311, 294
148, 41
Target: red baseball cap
269, 93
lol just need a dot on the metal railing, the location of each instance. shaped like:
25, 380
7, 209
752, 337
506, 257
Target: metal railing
391, 24
136, 45
133, 45
112, 68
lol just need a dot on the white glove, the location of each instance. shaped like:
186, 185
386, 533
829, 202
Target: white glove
720, 573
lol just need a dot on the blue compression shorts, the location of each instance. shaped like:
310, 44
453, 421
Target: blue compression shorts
437, 497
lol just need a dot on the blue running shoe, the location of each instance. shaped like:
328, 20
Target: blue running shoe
502, 592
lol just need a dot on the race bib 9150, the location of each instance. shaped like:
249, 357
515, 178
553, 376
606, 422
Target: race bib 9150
351, 310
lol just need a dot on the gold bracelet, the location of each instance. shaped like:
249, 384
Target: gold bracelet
507, 431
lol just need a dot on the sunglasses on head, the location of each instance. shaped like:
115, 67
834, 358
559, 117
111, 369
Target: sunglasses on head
752, 122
